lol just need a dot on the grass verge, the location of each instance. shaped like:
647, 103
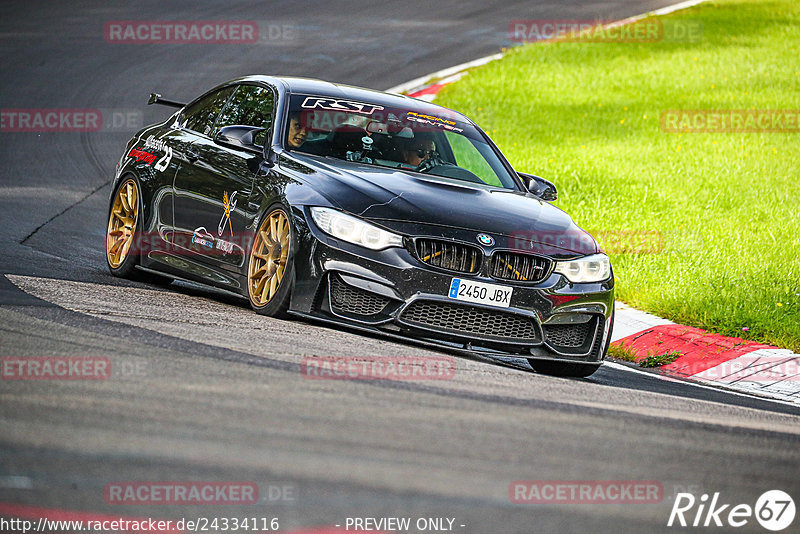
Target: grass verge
702, 228
657, 360
618, 352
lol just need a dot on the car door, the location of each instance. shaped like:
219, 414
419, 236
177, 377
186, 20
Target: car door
212, 194
197, 120
159, 155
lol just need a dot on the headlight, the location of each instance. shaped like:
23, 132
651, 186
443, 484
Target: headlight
354, 230
594, 268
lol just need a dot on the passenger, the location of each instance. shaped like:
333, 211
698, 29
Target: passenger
297, 132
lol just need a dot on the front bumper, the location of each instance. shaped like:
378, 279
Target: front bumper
393, 292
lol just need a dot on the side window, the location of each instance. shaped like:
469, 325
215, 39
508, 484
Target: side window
250, 106
469, 157
201, 115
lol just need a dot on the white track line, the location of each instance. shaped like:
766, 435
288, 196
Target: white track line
713, 386
423, 80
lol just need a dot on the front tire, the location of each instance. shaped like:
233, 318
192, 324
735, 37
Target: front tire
572, 370
565, 369
270, 270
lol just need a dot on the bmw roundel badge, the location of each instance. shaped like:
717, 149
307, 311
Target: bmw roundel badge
484, 239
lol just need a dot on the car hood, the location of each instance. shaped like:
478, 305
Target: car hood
398, 200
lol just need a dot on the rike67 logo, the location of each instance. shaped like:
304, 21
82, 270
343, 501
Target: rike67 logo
774, 510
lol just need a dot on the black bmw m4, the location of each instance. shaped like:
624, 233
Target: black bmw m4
367, 209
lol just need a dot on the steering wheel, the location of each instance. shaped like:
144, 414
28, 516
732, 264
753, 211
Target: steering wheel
434, 161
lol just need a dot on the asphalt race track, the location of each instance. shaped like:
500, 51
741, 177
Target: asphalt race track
209, 391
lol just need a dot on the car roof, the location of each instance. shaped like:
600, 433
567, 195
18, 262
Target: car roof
312, 86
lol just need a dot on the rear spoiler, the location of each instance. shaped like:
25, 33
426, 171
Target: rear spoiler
155, 98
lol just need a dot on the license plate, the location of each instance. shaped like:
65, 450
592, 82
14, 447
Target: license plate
490, 294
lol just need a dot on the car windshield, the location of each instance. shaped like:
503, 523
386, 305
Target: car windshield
439, 143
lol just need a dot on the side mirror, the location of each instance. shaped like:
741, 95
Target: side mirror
240, 137
540, 187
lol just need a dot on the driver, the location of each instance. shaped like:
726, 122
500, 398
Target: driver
418, 149
297, 132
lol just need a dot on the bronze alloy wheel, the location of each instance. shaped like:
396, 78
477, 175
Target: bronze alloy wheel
269, 258
122, 223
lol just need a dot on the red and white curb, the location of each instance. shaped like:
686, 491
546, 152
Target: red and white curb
427, 87
708, 358
732, 363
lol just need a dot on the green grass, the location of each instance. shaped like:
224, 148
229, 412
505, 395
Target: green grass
621, 352
657, 360
725, 205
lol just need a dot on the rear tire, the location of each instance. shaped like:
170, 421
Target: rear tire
122, 233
